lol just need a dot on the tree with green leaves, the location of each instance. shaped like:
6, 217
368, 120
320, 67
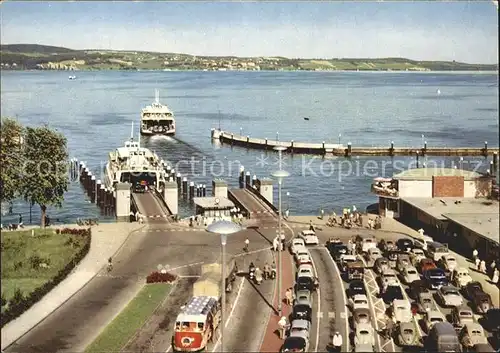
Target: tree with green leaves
45, 168
11, 133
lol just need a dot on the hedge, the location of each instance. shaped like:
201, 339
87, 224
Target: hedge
159, 277
19, 306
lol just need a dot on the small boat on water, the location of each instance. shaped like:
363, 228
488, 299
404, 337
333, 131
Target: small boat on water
306, 118
71, 77
157, 119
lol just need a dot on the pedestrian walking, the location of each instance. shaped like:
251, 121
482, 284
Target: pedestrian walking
247, 243
288, 297
20, 218
337, 342
349, 246
283, 239
281, 246
475, 254
322, 213
482, 266
311, 226
287, 213
478, 261
495, 276
283, 325
493, 265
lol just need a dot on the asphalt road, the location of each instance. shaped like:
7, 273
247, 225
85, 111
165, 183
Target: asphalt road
333, 311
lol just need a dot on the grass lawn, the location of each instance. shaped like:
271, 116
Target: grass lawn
22, 254
117, 334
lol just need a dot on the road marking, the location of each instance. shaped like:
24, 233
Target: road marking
347, 342
184, 266
251, 252
232, 311
320, 315
193, 276
331, 314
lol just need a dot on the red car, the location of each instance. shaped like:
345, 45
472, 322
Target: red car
426, 264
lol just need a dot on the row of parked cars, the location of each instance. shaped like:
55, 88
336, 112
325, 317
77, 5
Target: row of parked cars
305, 284
423, 270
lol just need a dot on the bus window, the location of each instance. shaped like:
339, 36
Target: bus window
200, 326
177, 325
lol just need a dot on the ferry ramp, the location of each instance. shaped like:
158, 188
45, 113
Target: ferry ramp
256, 208
151, 207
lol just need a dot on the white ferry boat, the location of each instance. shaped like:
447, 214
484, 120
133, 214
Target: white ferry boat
136, 165
157, 119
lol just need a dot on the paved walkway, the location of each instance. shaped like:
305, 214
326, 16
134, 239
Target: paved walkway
271, 341
107, 238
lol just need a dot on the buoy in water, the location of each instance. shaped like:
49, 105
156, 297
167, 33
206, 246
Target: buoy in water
306, 118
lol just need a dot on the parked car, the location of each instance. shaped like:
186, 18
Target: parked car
361, 316
301, 252
364, 334
297, 342
366, 243
297, 243
345, 259
404, 244
492, 319
450, 296
471, 288
303, 297
406, 334
460, 277
381, 264
402, 261
309, 237
435, 278
416, 255
387, 245
356, 287
388, 278
302, 312
392, 256
410, 274
401, 310
448, 262
461, 315
305, 270
425, 302
417, 287
372, 255
308, 283
392, 293
359, 301
426, 264
300, 326
482, 302
472, 334
431, 317
442, 338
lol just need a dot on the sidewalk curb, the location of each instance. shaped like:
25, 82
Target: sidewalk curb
72, 295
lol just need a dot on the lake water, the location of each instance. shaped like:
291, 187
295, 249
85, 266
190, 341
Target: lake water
96, 111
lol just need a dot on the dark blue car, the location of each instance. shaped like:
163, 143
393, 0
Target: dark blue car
435, 278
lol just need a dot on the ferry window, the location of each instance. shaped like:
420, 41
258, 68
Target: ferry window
185, 325
200, 325
177, 325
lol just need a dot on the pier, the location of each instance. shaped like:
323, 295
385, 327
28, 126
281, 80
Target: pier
349, 150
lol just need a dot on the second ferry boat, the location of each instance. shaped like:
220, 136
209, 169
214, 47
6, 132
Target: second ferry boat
157, 119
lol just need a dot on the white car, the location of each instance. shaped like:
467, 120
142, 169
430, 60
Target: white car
449, 262
301, 252
305, 270
303, 260
359, 301
461, 277
401, 310
364, 335
416, 255
431, 317
388, 278
368, 243
372, 255
310, 237
450, 296
410, 274
297, 244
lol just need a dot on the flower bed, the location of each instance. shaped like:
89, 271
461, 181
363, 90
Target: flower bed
160, 277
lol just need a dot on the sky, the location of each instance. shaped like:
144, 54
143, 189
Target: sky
419, 30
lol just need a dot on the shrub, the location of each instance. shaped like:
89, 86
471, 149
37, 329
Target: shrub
4, 301
35, 261
74, 231
158, 277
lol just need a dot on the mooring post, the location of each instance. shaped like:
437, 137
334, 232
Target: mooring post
266, 144
348, 150
391, 150
204, 189
184, 186
254, 180
179, 181
417, 157
247, 178
97, 192
485, 152
495, 162
242, 177
425, 148
101, 196
92, 189
191, 189
291, 147
492, 168
324, 149
248, 141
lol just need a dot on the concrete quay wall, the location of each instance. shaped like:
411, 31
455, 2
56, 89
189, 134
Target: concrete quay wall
323, 148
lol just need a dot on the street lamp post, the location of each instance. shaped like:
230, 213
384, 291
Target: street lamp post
277, 136
287, 200
241, 131
423, 137
224, 228
280, 175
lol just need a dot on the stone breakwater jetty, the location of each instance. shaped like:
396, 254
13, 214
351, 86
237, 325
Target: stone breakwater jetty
324, 148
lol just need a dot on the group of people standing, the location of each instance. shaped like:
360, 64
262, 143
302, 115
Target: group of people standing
491, 270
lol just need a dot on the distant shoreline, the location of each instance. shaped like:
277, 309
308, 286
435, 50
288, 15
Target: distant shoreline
227, 71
